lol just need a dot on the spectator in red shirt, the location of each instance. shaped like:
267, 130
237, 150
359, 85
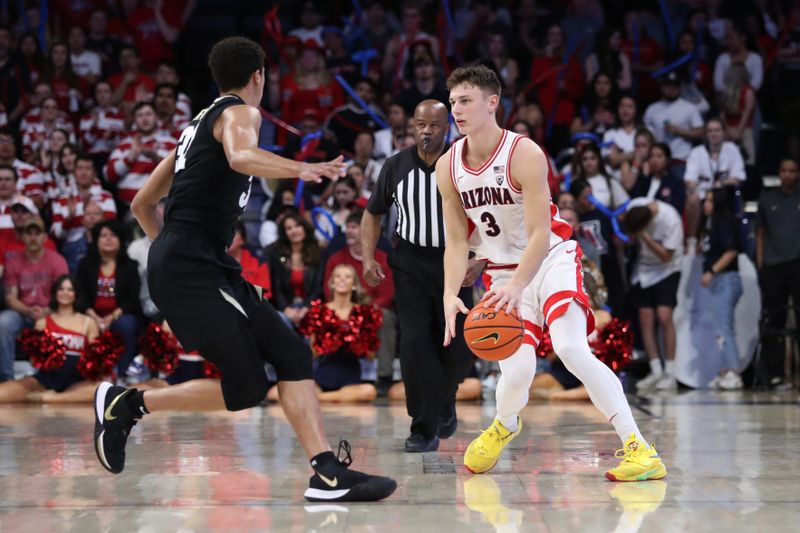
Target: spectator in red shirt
130, 85
26, 281
20, 210
69, 89
107, 282
309, 86
147, 26
559, 81
253, 270
646, 56
138, 154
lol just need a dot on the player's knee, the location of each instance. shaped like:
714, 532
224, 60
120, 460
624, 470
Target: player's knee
570, 348
249, 394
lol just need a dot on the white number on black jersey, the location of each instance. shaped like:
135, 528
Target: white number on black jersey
183, 147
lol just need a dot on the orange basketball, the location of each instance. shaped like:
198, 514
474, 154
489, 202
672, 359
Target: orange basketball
491, 334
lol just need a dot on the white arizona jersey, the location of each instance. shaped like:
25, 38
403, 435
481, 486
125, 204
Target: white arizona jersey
494, 205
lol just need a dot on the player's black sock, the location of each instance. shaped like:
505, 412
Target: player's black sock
135, 400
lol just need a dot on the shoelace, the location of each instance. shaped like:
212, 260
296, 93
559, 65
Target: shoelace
348, 459
627, 454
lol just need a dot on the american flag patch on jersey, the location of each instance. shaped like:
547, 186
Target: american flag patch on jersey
499, 169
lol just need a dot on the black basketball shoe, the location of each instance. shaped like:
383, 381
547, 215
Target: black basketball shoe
338, 483
113, 422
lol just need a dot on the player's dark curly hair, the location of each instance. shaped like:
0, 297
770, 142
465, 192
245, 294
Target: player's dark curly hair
478, 76
233, 60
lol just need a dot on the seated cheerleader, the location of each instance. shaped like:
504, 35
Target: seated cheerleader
341, 332
186, 367
76, 331
559, 384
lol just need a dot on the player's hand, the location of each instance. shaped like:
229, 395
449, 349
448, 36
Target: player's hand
373, 272
452, 306
507, 297
316, 171
474, 270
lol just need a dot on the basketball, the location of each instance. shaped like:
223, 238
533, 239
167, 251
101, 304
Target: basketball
492, 334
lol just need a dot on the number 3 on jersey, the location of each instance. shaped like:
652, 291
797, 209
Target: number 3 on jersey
183, 147
492, 229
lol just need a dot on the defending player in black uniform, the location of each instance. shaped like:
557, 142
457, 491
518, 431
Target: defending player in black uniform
200, 290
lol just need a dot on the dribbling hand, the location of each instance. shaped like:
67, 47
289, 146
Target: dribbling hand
507, 297
452, 306
316, 171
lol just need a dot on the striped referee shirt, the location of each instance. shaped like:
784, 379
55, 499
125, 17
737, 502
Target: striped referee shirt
409, 183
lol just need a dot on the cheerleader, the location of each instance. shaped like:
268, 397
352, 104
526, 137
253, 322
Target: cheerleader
76, 331
343, 334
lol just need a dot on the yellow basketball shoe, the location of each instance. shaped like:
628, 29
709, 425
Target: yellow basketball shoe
639, 463
483, 452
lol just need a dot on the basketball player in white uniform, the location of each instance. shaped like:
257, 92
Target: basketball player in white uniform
497, 180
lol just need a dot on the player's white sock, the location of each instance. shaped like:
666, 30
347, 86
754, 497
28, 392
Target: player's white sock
516, 375
669, 367
603, 386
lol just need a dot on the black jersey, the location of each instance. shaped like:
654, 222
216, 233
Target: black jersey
207, 195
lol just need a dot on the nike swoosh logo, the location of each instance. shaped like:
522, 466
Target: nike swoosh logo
332, 483
110, 407
493, 335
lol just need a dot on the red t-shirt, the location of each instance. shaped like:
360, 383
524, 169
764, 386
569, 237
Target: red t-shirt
381, 295
296, 283
558, 105
106, 300
11, 243
33, 280
147, 37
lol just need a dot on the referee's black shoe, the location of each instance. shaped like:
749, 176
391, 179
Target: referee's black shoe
448, 422
113, 420
335, 482
417, 443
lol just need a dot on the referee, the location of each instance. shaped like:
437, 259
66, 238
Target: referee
431, 373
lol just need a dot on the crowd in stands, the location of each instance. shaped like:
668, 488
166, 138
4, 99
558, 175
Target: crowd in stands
658, 128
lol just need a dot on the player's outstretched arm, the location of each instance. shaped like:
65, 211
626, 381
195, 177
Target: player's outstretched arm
528, 169
154, 189
238, 132
456, 250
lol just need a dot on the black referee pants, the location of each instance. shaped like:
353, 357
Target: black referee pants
778, 282
431, 372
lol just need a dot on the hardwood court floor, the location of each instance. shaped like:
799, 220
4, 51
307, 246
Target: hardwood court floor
733, 466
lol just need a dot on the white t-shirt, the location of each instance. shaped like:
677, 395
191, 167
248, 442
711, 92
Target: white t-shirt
622, 139
666, 228
601, 191
87, 63
754, 65
704, 171
303, 34
679, 113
